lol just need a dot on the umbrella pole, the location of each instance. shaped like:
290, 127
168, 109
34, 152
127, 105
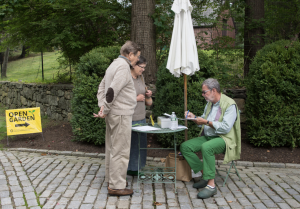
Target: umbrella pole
185, 104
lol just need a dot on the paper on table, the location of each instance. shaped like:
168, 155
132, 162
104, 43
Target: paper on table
179, 127
145, 128
187, 118
167, 115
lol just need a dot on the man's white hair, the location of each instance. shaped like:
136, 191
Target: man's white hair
211, 84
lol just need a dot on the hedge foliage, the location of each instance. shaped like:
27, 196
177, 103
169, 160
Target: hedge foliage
273, 96
88, 74
169, 96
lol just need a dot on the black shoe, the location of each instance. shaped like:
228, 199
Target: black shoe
207, 192
132, 173
200, 184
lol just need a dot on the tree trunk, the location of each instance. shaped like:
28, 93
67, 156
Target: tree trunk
24, 51
5, 61
1, 60
253, 34
143, 33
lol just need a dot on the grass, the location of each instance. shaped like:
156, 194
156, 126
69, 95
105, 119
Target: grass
29, 69
2, 124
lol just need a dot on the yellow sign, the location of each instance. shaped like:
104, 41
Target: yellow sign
23, 121
152, 120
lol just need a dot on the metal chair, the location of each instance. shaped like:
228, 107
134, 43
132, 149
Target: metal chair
228, 172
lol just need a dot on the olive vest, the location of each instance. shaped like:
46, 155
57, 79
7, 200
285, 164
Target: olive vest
233, 137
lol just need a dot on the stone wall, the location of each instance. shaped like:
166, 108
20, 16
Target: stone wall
54, 100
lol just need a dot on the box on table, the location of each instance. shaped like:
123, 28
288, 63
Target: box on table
163, 122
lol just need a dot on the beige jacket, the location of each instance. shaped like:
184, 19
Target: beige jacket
116, 91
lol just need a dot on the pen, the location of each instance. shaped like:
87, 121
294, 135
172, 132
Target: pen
187, 114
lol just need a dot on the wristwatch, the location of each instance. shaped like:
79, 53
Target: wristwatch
207, 122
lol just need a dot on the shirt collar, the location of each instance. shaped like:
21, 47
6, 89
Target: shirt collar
217, 104
126, 59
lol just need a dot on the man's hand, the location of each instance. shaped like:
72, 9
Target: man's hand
100, 113
190, 115
200, 121
148, 93
140, 98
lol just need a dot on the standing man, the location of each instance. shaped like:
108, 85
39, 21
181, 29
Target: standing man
220, 133
117, 101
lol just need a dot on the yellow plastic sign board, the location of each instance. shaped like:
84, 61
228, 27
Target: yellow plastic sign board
152, 120
23, 121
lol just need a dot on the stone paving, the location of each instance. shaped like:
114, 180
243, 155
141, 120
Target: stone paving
38, 180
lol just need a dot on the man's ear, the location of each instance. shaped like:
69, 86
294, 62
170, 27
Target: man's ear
131, 54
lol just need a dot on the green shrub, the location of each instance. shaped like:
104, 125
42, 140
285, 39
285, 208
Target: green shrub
169, 96
273, 96
88, 74
223, 68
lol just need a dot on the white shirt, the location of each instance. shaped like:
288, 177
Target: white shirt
222, 127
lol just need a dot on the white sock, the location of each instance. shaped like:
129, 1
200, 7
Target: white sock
195, 175
211, 186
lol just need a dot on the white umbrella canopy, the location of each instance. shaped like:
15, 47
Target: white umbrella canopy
183, 55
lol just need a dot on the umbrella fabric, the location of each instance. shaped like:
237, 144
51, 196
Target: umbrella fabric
183, 55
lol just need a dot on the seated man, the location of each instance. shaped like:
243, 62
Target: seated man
220, 133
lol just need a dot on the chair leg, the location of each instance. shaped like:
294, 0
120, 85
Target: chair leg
228, 173
237, 173
218, 172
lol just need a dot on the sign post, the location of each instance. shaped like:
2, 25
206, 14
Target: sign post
23, 121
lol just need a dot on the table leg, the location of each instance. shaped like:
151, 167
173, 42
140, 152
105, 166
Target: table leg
138, 177
175, 160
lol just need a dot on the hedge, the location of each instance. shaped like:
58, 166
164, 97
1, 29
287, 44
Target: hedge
88, 74
273, 96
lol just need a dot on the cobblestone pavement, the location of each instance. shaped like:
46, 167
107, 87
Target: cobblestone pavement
37, 180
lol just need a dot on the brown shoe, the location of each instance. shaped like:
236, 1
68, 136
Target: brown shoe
119, 192
126, 184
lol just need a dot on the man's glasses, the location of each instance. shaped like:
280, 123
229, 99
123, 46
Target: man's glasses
141, 67
204, 92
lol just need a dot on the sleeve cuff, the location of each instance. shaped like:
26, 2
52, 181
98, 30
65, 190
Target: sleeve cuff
100, 105
216, 125
105, 112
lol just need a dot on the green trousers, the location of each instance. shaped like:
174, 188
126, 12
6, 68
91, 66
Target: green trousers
209, 146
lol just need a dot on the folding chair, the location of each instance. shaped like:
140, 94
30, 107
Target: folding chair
228, 172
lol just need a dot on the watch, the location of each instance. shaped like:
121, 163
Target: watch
207, 122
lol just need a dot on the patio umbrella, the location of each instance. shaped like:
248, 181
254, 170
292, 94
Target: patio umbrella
183, 55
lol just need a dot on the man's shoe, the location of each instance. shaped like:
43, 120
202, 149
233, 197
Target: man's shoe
126, 184
200, 184
207, 192
119, 192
